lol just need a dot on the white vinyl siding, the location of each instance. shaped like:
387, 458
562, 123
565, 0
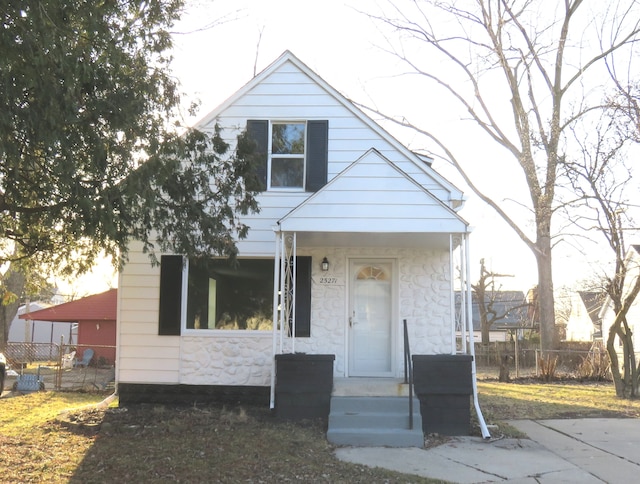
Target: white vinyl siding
286, 94
143, 355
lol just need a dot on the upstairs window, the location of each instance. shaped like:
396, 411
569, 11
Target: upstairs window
287, 155
290, 155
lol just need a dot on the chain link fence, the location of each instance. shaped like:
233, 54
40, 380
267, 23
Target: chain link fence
508, 360
60, 367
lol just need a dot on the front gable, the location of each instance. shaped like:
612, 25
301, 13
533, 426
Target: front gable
583, 323
373, 196
287, 91
607, 314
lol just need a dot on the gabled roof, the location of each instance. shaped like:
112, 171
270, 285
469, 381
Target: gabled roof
98, 307
288, 57
593, 303
33, 307
387, 201
631, 255
511, 303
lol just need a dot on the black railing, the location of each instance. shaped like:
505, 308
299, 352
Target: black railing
408, 371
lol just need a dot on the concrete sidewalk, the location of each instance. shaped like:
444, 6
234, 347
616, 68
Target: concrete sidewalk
571, 451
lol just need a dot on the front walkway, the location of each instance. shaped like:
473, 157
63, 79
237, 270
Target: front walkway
574, 451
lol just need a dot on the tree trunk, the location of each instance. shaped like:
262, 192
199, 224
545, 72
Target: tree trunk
13, 282
504, 376
548, 333
618, 382
484, 331
629, 360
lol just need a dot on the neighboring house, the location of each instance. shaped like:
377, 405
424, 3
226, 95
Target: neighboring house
25, 329
607, 314
96, 319
583, 323
509, 306
355, 234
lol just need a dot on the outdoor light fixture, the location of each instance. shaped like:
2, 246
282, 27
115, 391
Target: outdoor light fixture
325, 265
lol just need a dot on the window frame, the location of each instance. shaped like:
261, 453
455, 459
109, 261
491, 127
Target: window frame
290, 156
213, 331
173, 304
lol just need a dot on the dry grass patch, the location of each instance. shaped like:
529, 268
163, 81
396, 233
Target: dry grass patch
21, 413
30, 451
154, 443
501, 402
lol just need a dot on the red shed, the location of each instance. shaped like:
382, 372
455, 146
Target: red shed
96, 318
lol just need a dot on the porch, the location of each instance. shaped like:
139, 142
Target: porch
378, 411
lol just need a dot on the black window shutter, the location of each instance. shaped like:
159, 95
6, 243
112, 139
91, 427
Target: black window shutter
258, 131
303, 297
317, 153
170, 295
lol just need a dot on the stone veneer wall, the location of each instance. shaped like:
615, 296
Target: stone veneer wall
424, 300
227, 359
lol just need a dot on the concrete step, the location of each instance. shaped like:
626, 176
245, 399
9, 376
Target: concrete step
373, 404
374, 387
381, 420
376, 437
374, 421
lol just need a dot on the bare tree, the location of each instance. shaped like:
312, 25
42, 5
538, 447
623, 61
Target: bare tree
522, 71
602, 180
486, 292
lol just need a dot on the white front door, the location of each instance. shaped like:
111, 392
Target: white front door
370, 318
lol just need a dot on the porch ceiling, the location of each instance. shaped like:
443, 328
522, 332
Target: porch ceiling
371, 239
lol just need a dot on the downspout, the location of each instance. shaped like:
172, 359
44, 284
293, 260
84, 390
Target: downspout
276, 288
472, 349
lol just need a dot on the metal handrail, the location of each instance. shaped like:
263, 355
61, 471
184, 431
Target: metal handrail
408, 371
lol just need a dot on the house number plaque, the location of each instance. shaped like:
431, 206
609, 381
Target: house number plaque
330, 280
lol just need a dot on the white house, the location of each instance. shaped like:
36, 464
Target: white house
583, 323
371, 233
607, 313
24, 330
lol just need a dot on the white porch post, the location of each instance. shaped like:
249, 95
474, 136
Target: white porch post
274, 318
287, 290
469, 307
452, 275
292, 290
465, 290
284, 297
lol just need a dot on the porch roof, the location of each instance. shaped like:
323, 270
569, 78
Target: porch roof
373, 202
